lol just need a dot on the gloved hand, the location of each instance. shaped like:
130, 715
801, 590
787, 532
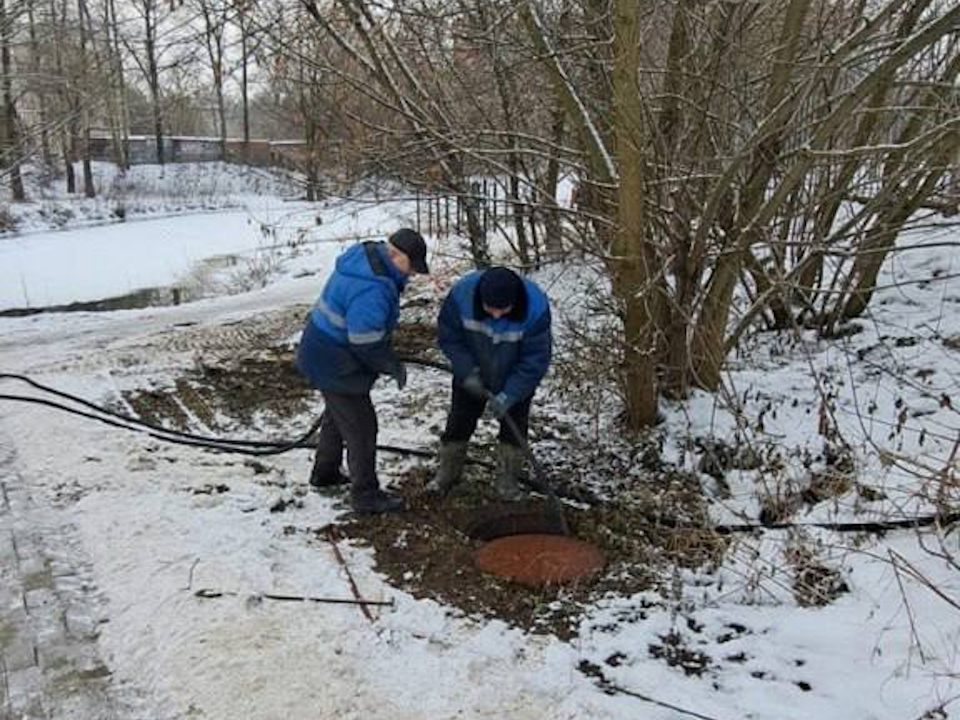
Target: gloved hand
400, 375
473, 384
499, 405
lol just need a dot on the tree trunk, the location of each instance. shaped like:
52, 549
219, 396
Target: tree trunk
674, 322
708, 343
119, 125
866, 129
633, 263
506, 90
89, 190
553, 237
881, 238
36, 63
153, 75
11, 149
479, 250
214, 27
244, 87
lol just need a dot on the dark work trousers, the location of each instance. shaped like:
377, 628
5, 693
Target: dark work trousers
351, 421
466, 409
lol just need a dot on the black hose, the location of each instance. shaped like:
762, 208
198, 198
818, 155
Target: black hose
869, 526
172, 436
126, 422
137, 421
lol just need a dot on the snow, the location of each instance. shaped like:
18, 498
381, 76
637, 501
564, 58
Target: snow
129, 507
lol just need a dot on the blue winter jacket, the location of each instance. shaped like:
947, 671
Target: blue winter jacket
346, 341
512, 353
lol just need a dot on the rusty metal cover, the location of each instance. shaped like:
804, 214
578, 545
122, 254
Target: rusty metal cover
537, 560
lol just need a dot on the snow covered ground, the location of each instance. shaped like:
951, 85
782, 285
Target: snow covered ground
142, 191
149, 520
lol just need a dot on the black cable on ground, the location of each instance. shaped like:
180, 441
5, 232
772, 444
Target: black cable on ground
127, 422
171, 436
142, 423
876, 526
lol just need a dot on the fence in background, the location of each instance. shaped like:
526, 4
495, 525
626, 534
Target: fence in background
142, 150
445, 214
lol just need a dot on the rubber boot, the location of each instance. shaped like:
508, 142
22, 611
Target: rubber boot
377, 503
510, 462
451, 459
324, 476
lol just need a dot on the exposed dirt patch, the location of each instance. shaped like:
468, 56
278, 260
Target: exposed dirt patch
418, 340
258, 380
229, 392
674, 651
814, 584
429, 552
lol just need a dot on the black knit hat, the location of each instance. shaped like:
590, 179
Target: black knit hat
411, 243
500, 288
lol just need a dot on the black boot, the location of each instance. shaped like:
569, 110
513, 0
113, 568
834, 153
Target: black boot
325, 476
377, 504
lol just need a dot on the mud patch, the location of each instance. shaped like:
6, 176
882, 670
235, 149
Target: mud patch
228, 393
257, 380
429, 552
814, 584
675, 652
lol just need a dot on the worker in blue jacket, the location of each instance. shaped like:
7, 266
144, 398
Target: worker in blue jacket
494, 327
346, 344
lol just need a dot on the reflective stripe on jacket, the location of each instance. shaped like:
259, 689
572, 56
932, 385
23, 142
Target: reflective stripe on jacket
346, 341
512, 353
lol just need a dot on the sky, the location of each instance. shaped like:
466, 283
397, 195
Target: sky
136, 515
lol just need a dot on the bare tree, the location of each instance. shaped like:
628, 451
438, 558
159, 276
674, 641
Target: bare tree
10, 157
118, 115
400, 86
215, 14
737, 165
242, 17
84, 106
145, 51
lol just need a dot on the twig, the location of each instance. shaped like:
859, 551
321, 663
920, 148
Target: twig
210, 593
331, 536
190, 576
906, 604
610, 687
900, 562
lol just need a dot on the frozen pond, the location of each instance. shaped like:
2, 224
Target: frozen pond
47, 269
170, 260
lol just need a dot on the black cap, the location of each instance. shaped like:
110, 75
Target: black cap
500, 288
413, 246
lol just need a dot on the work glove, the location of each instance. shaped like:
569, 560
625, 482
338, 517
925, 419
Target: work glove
400, 375
473, 384
499, 405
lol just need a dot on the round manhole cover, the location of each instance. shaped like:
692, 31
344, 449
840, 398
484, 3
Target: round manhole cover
536, 560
